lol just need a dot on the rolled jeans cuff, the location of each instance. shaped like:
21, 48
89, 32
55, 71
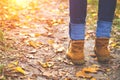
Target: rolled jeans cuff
104, 29
77, 31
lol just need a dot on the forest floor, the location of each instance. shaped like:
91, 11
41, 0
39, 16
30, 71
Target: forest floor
36, 49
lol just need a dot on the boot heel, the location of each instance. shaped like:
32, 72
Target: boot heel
101, 50
75, 52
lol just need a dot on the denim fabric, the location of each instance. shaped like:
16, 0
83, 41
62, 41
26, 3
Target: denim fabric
78, 10
106, 10
103, 29
77, 31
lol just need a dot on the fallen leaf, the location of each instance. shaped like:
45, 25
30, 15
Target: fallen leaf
50, 42
93, 79
1, 68
95, 65
19, 69
91, 69
33, 44
68, 79
50, 64
33, 51
108, 70
15, 63
37, 34
1, 36
46, 64
59, 50
2, 77
47, 73
11, 65
82, 74
60, 21
31, 35
113, 44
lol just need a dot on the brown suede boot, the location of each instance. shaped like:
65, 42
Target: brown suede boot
76, 52
101, 49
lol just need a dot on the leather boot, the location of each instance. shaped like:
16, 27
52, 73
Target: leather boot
101, 49
75, 52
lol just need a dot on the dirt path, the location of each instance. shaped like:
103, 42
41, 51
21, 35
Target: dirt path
40, 50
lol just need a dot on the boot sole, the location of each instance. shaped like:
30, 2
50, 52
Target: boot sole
103, 59
76, 62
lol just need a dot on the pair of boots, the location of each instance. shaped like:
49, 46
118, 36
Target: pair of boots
76, 50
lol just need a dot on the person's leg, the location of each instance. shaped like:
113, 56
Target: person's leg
105, 18
77, 19
77, 31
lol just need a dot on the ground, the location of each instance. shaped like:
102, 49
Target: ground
39, 48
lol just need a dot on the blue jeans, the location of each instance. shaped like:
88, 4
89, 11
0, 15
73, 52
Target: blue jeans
78, 10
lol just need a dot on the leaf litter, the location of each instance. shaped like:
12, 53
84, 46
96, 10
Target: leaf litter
56, 23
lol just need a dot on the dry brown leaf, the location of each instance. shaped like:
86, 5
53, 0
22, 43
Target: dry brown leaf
93, 79
2, 77
68, 79
91, 69
82, 74
35, 44
95, 65
33, 51
108, 70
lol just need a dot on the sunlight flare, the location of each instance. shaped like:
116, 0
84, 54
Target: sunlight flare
23, 3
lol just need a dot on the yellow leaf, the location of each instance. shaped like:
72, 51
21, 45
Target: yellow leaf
55, 24
37, 34
113, 44
10, 65
108, 70
82, 74
15, 63
1, 36
33, 44
60, 21
19, 69
50, 42
50, 64
44, 65
47, 64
